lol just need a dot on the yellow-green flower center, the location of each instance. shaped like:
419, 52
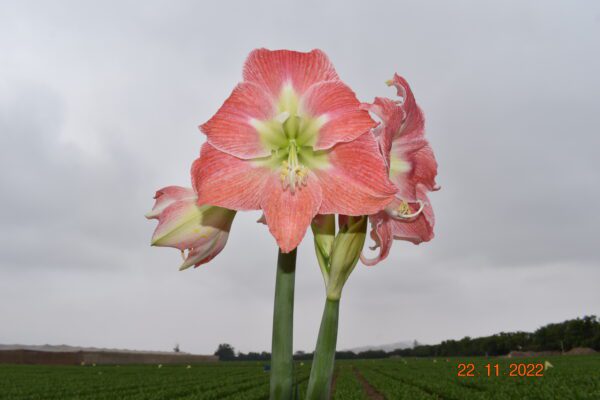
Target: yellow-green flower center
290, 136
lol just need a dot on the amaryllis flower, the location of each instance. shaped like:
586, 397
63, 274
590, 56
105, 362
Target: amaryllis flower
291, 140
201, 230
412, 168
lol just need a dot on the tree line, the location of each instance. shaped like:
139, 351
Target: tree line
563, 336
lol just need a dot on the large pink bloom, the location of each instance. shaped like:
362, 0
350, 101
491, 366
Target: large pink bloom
291, 140
412, 168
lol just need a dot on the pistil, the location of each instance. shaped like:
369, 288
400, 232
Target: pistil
404, 211
293, 174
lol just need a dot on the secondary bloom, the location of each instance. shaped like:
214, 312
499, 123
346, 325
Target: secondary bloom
291, 140
412, 168
201, 230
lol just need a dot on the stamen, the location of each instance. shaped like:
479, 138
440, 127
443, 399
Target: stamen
293, 174
403, 210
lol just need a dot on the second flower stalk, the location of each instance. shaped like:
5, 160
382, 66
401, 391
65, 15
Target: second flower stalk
337, 254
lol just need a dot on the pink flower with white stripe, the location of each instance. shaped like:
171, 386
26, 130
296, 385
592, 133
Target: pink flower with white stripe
293, 141
412, 168
201, 230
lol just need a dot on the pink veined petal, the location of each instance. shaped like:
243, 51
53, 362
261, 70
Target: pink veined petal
230, 129
206, 251
423, 168
167, 196
175, 225
345, 119
356, 181
381, 233
419, 229
391, 116
273, 69
414, 120
289, 215
223, 180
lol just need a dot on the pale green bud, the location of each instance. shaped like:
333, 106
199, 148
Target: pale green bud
345, 253
323, 227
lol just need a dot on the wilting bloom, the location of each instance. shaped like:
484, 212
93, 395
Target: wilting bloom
412, 168
201, 230
291, 140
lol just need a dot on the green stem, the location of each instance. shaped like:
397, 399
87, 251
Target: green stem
283, 328
321, 372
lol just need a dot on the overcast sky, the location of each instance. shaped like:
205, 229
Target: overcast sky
99, 107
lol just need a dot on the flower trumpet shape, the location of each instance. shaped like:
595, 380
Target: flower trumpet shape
293, 141
412, 168
201, 230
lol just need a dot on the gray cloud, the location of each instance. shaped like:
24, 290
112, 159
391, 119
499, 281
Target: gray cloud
99, 105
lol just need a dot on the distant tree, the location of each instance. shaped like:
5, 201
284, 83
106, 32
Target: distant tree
579, 332
226, 352
176, 348
254, 356
372, 354
345, 355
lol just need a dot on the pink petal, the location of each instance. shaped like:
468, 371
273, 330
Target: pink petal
423, 168
288, 214
206, 251
356, 181
176, 225
391, 117
273, 69
381, 233
230, 129
419, 229
410, 144
345, 119
227, 181
167, 196
414, 120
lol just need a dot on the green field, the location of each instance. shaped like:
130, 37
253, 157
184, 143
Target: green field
572, 377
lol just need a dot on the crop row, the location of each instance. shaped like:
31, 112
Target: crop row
569, 378
24, 382
418, 379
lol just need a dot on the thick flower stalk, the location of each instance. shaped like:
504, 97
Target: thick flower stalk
201, 231
412, 168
